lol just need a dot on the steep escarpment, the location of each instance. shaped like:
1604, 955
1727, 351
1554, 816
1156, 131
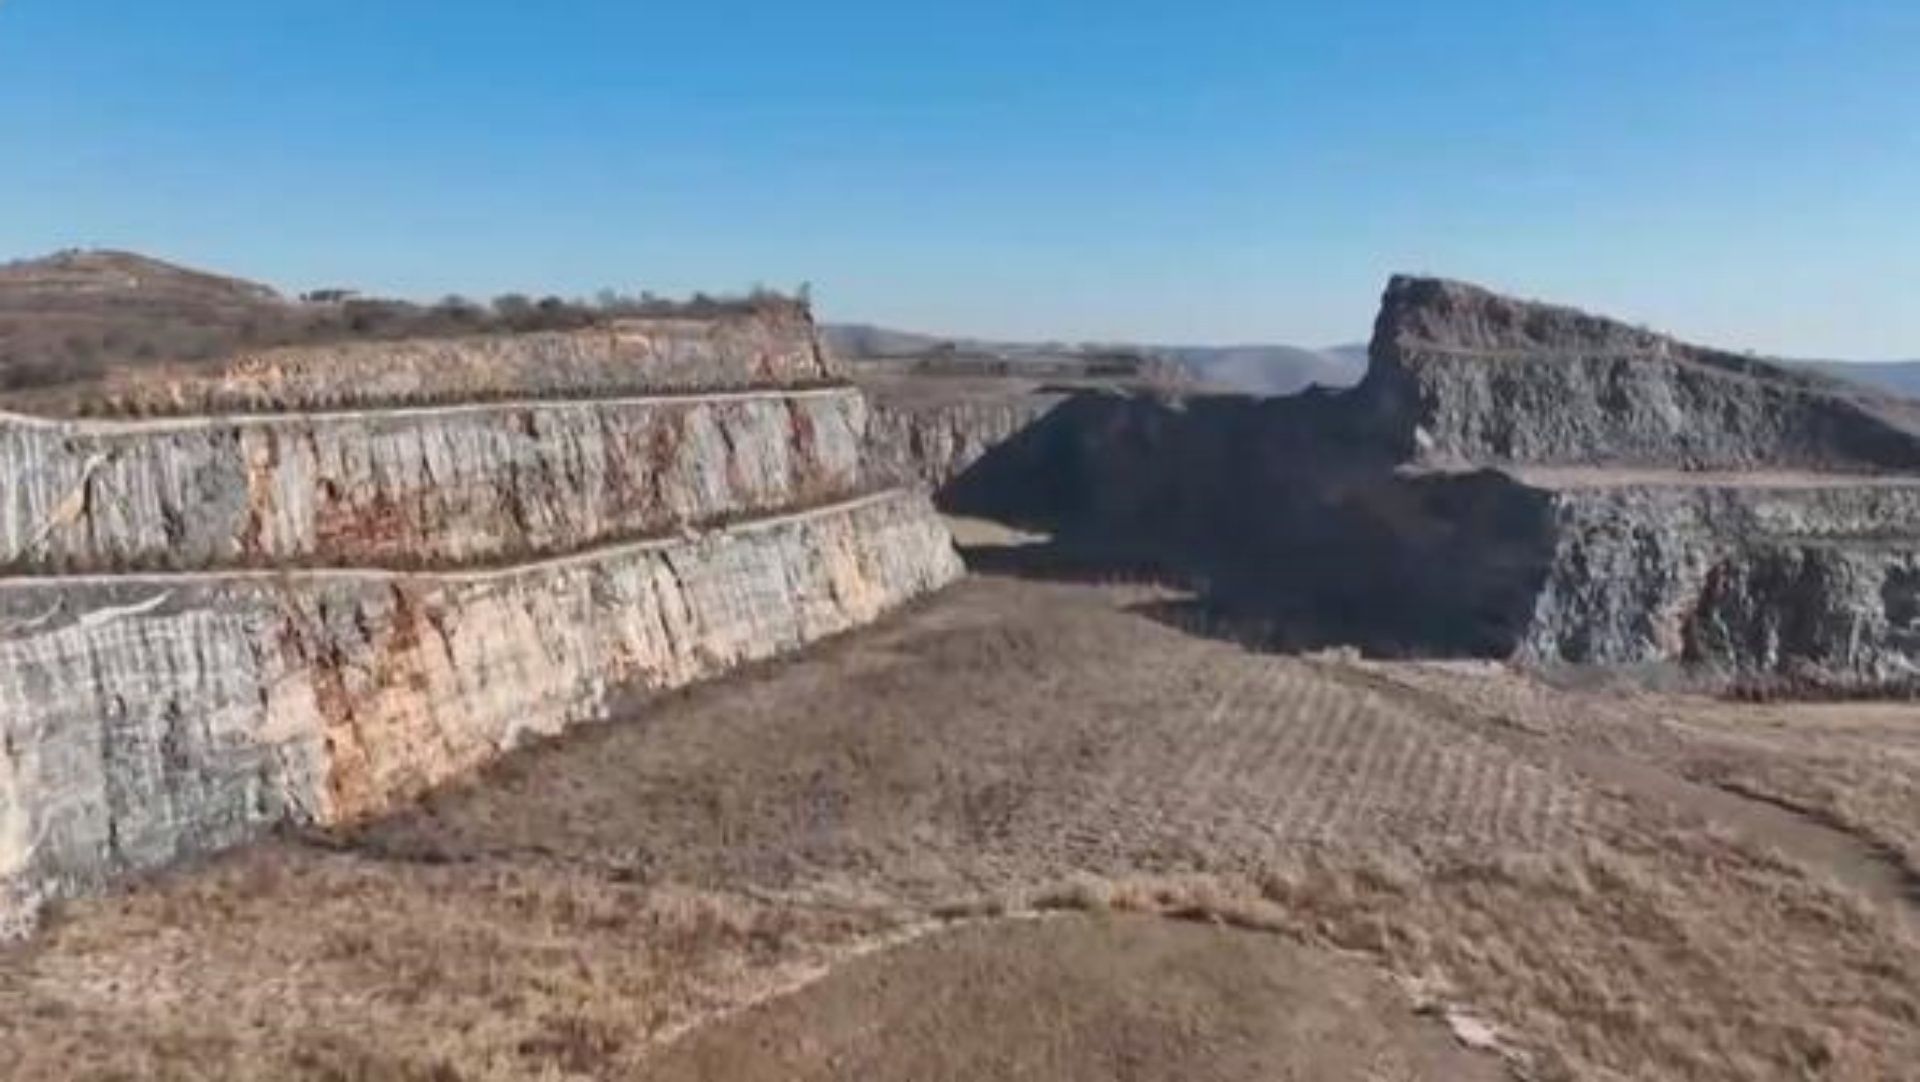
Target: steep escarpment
149, 717
1791, 557
419, 487
937, 413
215, 624
931, 443
1741, 575
1459, 374
1511, 480
1842, 613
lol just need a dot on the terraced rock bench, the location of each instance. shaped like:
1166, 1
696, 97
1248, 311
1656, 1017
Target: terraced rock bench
151, 717
427, 486
1511, 480
1696, 505
211, 626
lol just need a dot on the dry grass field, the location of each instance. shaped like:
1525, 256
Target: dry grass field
1042, 830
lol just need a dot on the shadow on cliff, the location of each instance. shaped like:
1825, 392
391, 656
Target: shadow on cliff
1284, 518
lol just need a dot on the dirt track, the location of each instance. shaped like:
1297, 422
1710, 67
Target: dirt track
1391, 836
1074, 998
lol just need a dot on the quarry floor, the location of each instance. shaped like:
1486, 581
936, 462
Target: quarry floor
1056, 830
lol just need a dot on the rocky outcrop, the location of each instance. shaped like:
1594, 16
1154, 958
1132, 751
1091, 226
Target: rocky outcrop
419, 487
393, 561
1459, 374
148, 717
1765, 568
1843, 614
1740, 577
1511, 480
1295, 526
931, 443
771, 345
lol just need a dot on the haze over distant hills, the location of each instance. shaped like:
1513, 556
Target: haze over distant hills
1255, 368
1900, 377
61, 316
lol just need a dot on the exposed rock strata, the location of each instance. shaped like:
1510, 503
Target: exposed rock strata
150, 717
417, 487
1459, 374
1574, 520
771, 346
932, 443
1841, 613
172, 681
1748, 578
1765, 569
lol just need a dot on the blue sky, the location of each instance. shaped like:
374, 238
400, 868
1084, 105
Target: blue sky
1739, 171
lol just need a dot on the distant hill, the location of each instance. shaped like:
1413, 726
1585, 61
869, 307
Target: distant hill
68, 316
1251, 369
1264, 369
1353, 355
128, 276
76, 316
1900, 377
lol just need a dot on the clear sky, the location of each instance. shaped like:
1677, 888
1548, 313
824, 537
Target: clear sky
1740, 171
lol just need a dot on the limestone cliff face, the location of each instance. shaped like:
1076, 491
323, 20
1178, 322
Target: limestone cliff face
1741, 578
1757, 571
417, 487
147, 717
1293, 515
393, 561
1843, 612
1459, 374
933, 443
774, 345
1511, 480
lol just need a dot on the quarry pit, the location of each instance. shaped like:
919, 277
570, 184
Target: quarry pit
1537, 708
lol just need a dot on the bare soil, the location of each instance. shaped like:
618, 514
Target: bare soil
1313, 864
1078, 998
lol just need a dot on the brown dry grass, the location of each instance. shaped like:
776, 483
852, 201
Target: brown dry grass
1679, 956
1086, 998
287, 962
1852, 764
111, 322
1856, 765
1007, 747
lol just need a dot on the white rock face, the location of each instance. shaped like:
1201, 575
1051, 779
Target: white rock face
148, 717
931, 444
317, 581
414, 487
